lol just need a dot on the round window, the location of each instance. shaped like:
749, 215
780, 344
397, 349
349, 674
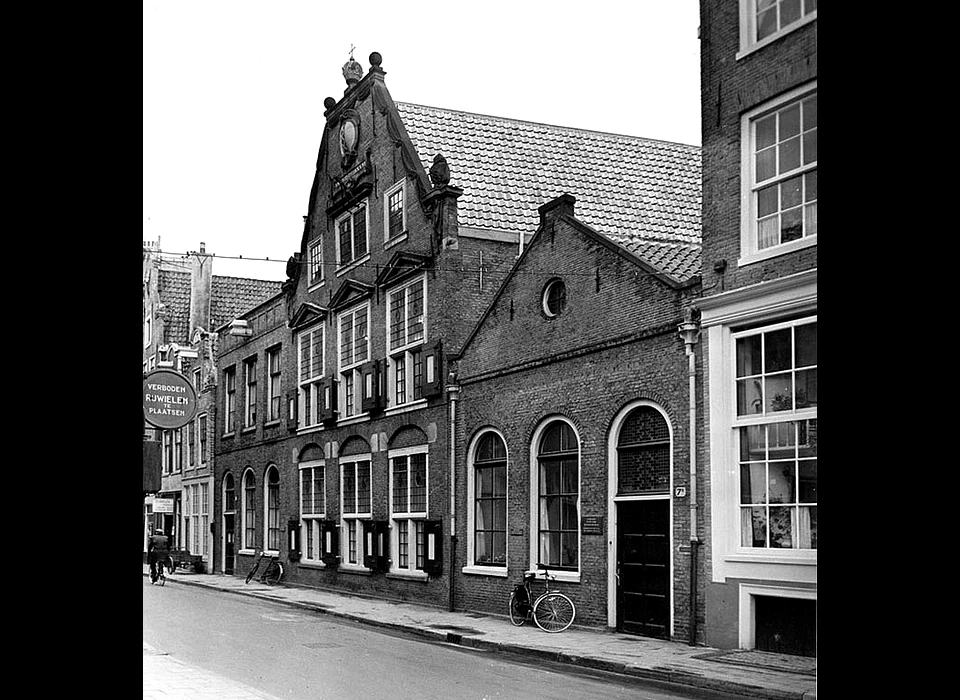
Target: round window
554, 298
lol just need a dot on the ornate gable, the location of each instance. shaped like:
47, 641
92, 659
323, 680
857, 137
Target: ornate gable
306, 314
350, 292
402, 265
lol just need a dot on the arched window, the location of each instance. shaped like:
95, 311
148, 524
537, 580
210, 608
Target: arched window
272, 503
490, 501
558, 493
643, 453
229, 494
249, 513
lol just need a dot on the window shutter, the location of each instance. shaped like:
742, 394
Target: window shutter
293, 410
330, 542
376, 545
374, 390
433, 370
433, 531
328, 399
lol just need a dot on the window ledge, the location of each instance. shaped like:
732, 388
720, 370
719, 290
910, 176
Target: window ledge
272, 424
560, 576
354, 569
308, 564
406, 407
228, 435
352, 264
247, 552
390, 242
314, 286
408, 575
773, 38
249, 429
353, 419
776, 251
806, 557
498, 571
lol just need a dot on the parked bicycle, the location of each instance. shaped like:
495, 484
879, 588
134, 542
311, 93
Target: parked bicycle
272, 570
551, 610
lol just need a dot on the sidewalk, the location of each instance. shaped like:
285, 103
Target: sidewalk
752, 674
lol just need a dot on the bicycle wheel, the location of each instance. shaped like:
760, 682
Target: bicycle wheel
170, 565
518, 610
554, 612
274, 573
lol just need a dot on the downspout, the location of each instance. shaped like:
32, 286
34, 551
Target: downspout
690, 333
453, 392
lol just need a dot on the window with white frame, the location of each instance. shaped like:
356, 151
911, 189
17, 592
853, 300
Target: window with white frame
166, 439
178, 450
274, 399
394, 212
229, 494
205, 517
147, 329
354, 506
489, 497
354, 351
271, 504
311, 375
249, 511
230, 399
406, 334
315, 262
558, 496
408, 507
192, 444
776, 429
312, 508
202, 434
352, 243
196, 380
780, 175
250, 380
193, 517
764, 21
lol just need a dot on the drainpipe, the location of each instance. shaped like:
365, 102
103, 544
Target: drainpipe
453, 392
690, 333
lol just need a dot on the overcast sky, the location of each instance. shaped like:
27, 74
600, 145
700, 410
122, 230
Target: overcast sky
233, 94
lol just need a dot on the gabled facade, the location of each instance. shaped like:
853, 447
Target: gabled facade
355, 476
574, 438
182, 302
415, 218
759, 319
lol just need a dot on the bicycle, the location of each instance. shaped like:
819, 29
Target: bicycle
272, 573
552, 611
157, 569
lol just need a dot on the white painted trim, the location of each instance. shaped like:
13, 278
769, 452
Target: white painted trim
496, 571
534, 526
747, 45
747, 621
471, 566
613, 438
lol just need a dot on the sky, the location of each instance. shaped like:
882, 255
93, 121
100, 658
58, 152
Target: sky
233, 95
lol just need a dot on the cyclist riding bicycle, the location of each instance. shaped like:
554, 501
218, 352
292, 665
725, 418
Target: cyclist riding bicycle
158, 548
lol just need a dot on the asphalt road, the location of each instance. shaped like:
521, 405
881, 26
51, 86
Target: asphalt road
301, 655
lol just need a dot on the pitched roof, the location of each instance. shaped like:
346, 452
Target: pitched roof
229, 298
232, 296
641, 193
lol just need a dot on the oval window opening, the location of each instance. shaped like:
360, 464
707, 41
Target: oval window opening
554, 298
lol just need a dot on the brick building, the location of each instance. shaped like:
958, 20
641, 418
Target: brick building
182, 303
759, 321
416, 216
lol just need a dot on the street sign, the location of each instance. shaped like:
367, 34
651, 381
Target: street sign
169, 399
162, 505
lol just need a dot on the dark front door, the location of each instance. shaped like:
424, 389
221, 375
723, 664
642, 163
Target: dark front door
228, 544
643, 567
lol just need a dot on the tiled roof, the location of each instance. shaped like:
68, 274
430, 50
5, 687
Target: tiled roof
232, 296
174, 292
229, 297
640, 193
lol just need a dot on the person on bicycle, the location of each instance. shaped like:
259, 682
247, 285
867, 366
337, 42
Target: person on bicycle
158, 548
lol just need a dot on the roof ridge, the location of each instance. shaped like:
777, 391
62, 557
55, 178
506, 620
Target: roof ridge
552, 126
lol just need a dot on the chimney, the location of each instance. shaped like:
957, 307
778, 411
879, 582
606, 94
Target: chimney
557, 207
201, 285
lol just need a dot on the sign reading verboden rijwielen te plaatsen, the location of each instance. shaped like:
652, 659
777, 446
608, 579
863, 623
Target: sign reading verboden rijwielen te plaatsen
169, 399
